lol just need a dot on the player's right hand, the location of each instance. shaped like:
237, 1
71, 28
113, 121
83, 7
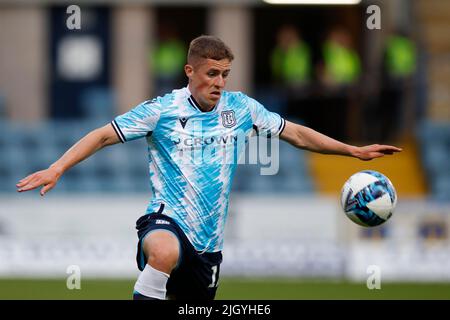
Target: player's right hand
46, 178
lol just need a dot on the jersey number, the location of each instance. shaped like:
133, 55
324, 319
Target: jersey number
213, 277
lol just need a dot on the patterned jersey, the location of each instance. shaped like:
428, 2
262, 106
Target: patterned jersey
193, 156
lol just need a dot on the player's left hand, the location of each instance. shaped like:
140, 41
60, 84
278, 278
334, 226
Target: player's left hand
45, 178
373, 151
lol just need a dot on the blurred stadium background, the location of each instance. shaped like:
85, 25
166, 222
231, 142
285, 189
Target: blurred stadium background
286, 237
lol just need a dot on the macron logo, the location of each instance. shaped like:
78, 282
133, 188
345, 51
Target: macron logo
159, 221
183, 122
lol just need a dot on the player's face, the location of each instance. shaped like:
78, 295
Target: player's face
207, 79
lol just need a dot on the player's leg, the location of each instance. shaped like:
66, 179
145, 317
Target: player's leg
162, 250
197, 276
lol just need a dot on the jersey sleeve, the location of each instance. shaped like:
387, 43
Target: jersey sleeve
138, 122
265, 122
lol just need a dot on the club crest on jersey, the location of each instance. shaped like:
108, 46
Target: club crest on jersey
228, 119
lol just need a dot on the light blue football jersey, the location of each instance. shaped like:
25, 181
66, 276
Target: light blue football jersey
193, 156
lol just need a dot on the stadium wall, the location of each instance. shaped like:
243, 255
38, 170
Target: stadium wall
265, 236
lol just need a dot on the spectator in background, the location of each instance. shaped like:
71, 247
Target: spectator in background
341, 63
339, 73
399, 66
291, 58
168, 58
291, 65
400, 57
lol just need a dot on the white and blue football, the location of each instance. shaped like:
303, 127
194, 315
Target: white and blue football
368, 198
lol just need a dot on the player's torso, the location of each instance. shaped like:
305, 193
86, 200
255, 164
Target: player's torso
192, 137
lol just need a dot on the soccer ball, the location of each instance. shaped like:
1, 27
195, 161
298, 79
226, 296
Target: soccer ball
368, 198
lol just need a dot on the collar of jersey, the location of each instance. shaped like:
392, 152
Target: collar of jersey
194, 103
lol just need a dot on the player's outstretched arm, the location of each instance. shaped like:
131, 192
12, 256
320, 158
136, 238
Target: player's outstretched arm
309, 139
85, 147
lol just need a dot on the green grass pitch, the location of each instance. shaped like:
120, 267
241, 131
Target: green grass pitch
229, 289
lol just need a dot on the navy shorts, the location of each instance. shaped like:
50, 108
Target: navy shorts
196, 275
